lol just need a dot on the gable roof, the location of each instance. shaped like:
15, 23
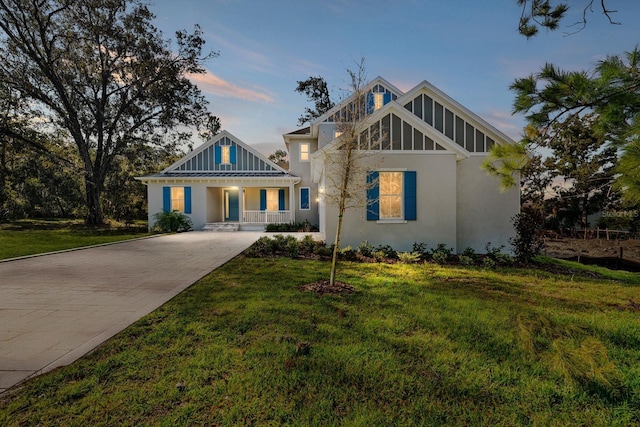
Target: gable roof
459, 110
202, 160
445, 120
377, 85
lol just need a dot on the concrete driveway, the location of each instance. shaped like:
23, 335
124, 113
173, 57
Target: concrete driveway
56, 308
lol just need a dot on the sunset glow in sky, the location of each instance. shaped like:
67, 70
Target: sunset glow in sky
470, 49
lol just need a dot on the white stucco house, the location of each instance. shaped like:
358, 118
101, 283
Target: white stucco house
424, 181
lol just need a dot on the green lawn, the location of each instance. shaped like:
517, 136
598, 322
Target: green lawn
20, 238
414, 345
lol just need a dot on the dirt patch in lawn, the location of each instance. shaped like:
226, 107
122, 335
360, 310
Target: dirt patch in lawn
324, 287
595, 248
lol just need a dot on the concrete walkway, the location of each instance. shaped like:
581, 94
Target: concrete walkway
56, 308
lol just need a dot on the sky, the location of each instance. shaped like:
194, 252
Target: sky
470, 49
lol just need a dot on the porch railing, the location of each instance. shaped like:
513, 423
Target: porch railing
266, 217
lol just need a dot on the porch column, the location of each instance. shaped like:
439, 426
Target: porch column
292, 203
241, 204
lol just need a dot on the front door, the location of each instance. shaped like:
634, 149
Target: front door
231, 205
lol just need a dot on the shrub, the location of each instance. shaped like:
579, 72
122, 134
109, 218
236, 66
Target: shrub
409, 257
495, 253
488, 263
379, 256
466, 260
389, 252
294, 227
528, 241
308, 244
260, 248
292, 247
323, 251
470, 252
365, 249
421, 249
441, 254
347, 253
172, 222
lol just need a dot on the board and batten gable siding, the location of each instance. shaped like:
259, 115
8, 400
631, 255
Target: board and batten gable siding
210, 159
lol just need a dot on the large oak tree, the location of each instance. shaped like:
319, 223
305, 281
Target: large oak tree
102, 73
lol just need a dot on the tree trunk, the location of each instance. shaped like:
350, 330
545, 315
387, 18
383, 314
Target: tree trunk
341, 208
94, 208
3, 174
336, 248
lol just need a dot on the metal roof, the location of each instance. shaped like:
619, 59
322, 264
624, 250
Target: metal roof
221, 174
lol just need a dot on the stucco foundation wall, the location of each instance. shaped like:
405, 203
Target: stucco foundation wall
484, 211
436, 205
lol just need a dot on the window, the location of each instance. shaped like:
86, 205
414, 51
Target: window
390, 195
225, 154
304, 199
378, 101
176, 199
304, 152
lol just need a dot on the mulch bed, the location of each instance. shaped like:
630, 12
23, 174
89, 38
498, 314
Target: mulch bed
323, 287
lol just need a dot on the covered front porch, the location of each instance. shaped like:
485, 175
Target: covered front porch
250, 205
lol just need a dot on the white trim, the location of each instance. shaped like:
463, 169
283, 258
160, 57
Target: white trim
300, 199
391, 221
308, 145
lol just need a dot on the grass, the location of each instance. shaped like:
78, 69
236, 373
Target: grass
414, 345
28, 237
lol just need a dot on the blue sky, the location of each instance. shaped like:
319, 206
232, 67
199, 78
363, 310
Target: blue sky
470, 49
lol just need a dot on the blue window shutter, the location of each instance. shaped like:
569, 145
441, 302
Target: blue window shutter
232, 154
218, 155
373, 196
166, 199
386, 98
410, 205
281, 199
304, 198
187, 200
263, 200
370, 103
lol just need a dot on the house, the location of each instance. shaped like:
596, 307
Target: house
423, 181
224, 181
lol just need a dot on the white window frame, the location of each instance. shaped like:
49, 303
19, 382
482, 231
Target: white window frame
177, 199
382, 195
378, 100
225, 154
305, 154
309, 206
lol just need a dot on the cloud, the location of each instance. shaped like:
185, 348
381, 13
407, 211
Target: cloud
214, 85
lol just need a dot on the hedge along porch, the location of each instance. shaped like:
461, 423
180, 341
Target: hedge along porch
224, 180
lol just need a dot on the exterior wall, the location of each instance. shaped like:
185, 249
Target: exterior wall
207, 201
484, 211
303, 171
326, 132
436, 205
214, 204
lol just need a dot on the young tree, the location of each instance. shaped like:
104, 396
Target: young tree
317, 92
346, 180
102, 73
